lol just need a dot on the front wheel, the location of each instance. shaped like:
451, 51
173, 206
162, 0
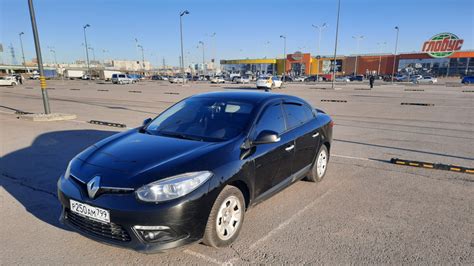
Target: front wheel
226, 218
319, 166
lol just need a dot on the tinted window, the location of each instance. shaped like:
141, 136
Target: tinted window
271, 119
296, 114
114, 75
208, 119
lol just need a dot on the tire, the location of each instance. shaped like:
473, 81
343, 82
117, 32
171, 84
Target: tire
121, 82
13, 84
229, 196
272, 87
321, 162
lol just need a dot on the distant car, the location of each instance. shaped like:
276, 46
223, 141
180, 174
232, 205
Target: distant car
135, 77
177, 80
356, 78
268, 82
8, 81
286, 79
342, 79
35, 76
426, 79
217, 80
156, 77
300, 79
121, 79
467, 80
242, 80
85, 77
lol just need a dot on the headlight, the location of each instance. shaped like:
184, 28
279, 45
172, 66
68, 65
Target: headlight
172, 187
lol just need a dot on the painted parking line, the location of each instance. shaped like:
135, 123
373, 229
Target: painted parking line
205, 257
290, 220
351, 157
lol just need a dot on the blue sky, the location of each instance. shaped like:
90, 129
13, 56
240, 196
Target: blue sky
242, 27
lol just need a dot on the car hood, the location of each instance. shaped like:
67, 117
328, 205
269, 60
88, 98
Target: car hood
132, 153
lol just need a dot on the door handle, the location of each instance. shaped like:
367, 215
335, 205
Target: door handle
289, 148
315, 134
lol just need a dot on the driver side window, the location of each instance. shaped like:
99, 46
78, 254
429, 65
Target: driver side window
271, 119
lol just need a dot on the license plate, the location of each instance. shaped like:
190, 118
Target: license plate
91, 212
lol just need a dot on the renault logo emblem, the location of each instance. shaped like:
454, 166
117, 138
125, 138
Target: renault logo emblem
93, 186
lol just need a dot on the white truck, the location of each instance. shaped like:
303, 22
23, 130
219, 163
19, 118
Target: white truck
73, 74
107, 74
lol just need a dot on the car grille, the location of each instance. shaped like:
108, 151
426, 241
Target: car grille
108, 231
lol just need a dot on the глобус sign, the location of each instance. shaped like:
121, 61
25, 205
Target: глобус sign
442, 45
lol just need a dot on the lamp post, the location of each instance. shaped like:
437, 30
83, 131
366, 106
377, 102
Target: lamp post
185, 12
93, 52
22, 51
381, 45
44, 91
143, 58
320, 30
203, 58
358, 39
214, 61
335, 44
87, 50
395, 54
284, 57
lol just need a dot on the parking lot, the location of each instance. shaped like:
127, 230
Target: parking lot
366, 210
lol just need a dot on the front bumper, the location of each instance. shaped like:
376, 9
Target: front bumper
185, 217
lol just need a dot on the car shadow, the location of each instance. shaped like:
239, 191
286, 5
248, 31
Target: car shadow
30, 174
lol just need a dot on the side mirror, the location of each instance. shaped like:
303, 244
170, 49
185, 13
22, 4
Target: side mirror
266, 136
147, 121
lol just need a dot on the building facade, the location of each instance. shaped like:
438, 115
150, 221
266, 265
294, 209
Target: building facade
460, 63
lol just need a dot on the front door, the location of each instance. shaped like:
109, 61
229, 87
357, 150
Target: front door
273, 161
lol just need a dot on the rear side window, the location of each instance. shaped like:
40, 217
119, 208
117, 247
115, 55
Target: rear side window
296, 114
121, 76
271, 119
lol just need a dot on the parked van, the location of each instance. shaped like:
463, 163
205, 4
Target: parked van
121, 79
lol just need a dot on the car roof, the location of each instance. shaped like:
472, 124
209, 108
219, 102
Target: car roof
252, 96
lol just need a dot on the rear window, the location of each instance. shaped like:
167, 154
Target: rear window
296, 114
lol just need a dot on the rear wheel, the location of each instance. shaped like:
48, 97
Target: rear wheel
318, 171
226, 218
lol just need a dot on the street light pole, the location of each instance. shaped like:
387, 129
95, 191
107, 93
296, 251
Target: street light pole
203, 58
284, 57
358, 39
381, 45
44, 91
22, 51
320, 29
87, 51
395, 55
185, 12
335, 44
143, 58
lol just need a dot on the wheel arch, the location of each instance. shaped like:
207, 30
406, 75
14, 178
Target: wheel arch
243, 187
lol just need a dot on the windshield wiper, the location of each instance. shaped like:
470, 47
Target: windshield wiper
179, 135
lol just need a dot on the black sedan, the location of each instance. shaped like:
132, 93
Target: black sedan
192, 172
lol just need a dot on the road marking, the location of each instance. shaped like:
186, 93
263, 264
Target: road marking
292, 218
350, 157
204, 257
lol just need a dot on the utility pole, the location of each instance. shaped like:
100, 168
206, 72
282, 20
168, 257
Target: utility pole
335, 44
358, 39
87, 51
284, 57
22, 51
185, 12
395, 54
44, 91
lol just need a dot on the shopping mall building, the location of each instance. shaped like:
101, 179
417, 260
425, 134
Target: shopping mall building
440, 56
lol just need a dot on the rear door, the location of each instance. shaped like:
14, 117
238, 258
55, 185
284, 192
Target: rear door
300, 121
273, 161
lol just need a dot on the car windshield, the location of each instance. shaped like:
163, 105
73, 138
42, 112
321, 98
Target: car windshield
203, 119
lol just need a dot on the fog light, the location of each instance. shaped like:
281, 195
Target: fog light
155, 233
